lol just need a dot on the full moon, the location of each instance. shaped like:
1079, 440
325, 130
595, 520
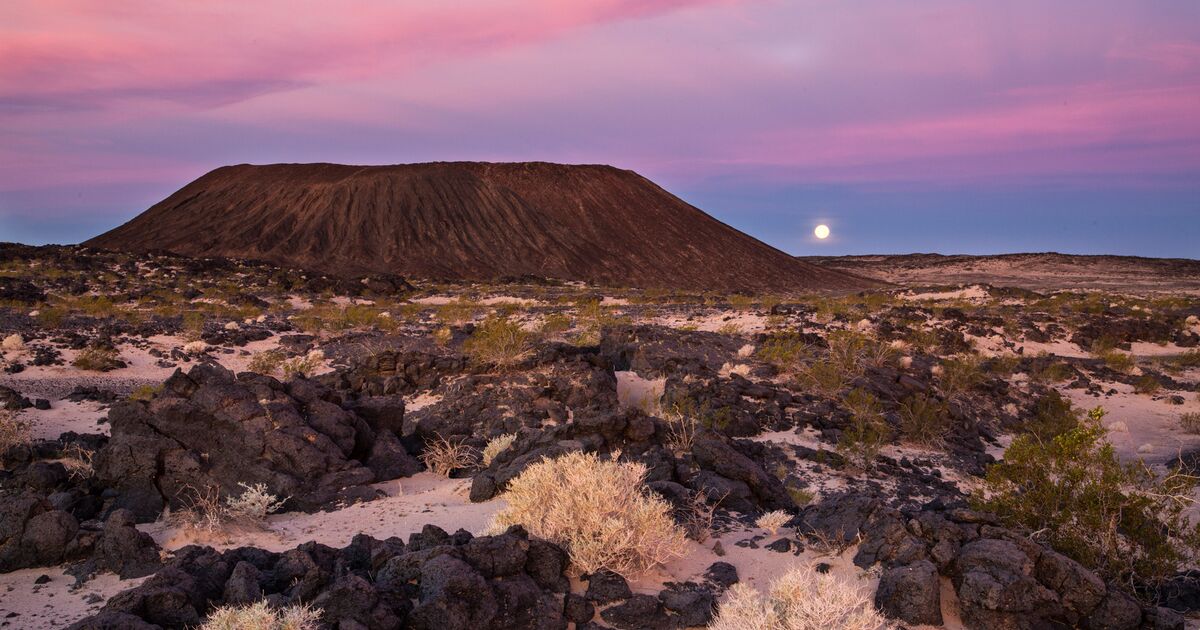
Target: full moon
821, 231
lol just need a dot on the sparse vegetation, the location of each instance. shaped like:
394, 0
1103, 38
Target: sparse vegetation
1120, 519
1118, 361
266, 362
681, 428
1146, 384
784, 351
252, 506
772, 521
445, 455
303, 366
261, 616
960, 374
13, 343
1053, 416
495, 446
699, 516
78, 461
97, 359
598, 510
498, 341
924, 419
14, 431
1190, 422
801, 599
145, 393
868, 431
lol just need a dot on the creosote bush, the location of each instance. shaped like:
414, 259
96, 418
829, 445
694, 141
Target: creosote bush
801, 599
1053, 416
599, 511
1119, 519
498, 341
260, 616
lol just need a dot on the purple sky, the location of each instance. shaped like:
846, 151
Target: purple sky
907, 126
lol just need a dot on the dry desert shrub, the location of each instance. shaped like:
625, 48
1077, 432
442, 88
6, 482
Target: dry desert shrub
14, 431
699, 516
205, 510
801, 599
13, 343
260, 616
78, 461
443, 456
252, 506
773, 520
681, 429
497, 445
598, 510
1190, 422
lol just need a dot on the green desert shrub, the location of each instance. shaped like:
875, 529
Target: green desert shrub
498, 341
784, 351
960, 374
266, 362
924, 419
1053, 416
1120, 519
1146, 384
867, 432
1118, 361
98, 359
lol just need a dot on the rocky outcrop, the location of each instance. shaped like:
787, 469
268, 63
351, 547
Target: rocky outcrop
434, 580
210, 428
1003, 580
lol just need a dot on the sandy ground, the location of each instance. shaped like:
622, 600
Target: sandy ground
1142, 426
411, 503
55, 604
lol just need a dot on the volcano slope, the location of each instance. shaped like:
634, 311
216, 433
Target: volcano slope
466, 221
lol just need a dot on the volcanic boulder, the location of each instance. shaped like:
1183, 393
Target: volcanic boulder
209, 428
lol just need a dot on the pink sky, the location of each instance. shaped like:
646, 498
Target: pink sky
114, 93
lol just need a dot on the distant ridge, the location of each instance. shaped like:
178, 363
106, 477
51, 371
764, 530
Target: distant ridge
467, 220
1045, 271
